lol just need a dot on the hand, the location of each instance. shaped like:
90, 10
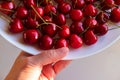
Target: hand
43, 66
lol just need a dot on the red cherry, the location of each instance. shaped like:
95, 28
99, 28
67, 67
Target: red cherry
31, 23
46, 42
115, 15
101, 30
76, 14
29, 3
16, 26
117, 2
90, 38
102, 17
21, 12
90, 23
90, 10
64, 7
90, 1
64, 32
7, 7
61, 19
49, 29
108, 4
75, 41
61, 43
47, 19
58, 1
50, 9
31, 36
78, 3
76, 27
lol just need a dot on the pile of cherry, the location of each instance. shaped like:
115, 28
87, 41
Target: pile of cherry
60, 23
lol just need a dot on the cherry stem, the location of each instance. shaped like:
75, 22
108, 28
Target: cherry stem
6, 10
38, 15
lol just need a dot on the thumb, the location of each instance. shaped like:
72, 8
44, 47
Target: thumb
50, 56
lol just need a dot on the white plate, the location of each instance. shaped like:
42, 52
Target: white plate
102, 43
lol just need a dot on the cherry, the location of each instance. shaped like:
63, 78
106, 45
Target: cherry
21, 12
31, 23
115, 15
64, 32
90, 10
31, 36
76, 14
102, 17
50, 9
108, 4
117, 2
46, 42
61, 19
44, 2
29, 3
78, 3
7, 7
90, 23
61, 43
64, 7
58, 1
101, 30
89, 1
16, 26
49, 29
90, 38
77, 27
37, 12
47, 19
75, 41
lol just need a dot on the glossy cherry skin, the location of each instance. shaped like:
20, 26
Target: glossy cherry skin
90, 1
47, 18
115, 15
21, 12
77, 27
31, 36
75, 41
61, 43
78, 3
9, 6
117, 2
108, 4
64, 32
76, 14
39, 10
90, 23
90, 10
64, 7
90, 38
50, 9
31, 23
46, 42
29, 3
49, 29
101, 30
102, 17
16, 26
61, 19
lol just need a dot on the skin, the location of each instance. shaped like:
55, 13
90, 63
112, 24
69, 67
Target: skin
44, 66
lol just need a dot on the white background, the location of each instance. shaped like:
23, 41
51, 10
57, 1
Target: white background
102, 66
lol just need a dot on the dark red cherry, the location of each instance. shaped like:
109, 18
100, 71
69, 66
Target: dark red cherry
31, 36
115, 15
108, 4
29, 3
31, 23
46, 42
59, 1
75, 41
61, 43
61, 19
47, 18
90, 1
101, 29
49, 29
117, 2
50, 9
90, 23
64, 7
76, 27
21, 12
76, 14
64, 32
102, 17
7, 7
78, 3
90, 38
16, 26
90, 10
